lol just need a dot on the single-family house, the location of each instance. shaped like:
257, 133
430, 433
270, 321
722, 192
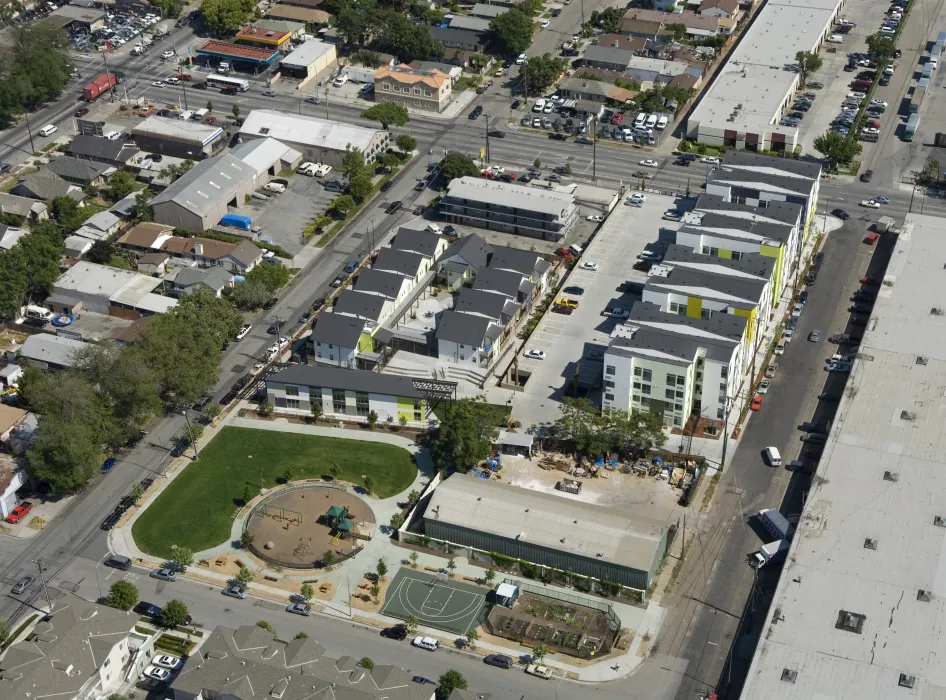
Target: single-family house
605, 57
10, 236
99, 149
46, 185
28, 209
190, 280
78, 172
465, 39
100, 226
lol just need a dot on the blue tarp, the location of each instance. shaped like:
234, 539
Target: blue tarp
237, 221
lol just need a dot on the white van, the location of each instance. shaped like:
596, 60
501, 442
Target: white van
275, 187
641, 119
184, 116
539, 105
428, 643
47, 130
651, 121
112, 135
773, 457
661, 123
340, 81
835, 39
576, 249
223, 67
200, 114
38, 312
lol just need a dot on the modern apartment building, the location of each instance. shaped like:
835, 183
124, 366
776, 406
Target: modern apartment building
509, 207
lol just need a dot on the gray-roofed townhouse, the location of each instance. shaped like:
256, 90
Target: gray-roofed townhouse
346, 393
190, 280
497, 307
530, 264
546, 529
462, 259
102, 150
197, 200
464, 338
77, 650
370, 308
335, 339
100, 226
422, 241
508, 283
509, 207
387, 284
410, 265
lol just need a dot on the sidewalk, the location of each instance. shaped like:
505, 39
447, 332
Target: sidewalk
645, 622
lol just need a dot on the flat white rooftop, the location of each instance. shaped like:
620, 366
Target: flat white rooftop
751, 87
858, 619
312, 131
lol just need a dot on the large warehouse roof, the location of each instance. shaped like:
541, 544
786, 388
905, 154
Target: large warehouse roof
547, 520
311, 131
204, 186
860, 603
753, 84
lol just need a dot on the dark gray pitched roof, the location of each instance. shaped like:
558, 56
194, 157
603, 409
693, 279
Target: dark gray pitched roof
523, 261
399, 261
473, 249
75, 169
361, 304
745, 159
786, 212
502, 281
100, 147
480, 302
750, 264
465, 36
379, 282
349, 379
746, 292
727, 325
337, 329
465, 329
671, 343
45, 184
423, 242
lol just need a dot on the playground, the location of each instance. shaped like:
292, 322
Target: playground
296, 526
452, 606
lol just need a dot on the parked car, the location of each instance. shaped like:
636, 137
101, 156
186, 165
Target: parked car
19, 512
499, 660
398, 633
299, 609
21, 584
234, 592
165, 574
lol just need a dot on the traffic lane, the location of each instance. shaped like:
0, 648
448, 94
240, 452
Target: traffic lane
341, 637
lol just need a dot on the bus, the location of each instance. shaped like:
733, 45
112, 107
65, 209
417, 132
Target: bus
912, 125
225, 81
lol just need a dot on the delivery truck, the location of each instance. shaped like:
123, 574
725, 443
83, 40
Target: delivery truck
99, 86
769, 553
775, 524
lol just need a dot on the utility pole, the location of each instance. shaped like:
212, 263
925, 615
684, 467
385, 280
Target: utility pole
29, 130
727, 406
184, 90
190, 433
42, 576
111, 89
594, 146
487, 138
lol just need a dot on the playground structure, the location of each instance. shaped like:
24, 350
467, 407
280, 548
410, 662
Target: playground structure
295, 526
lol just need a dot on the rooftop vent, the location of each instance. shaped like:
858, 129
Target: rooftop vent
906, 681
935, 311
924, 596
850, 622
920, 360
939, 521
891, 476
870, 544
789, 675
906, 415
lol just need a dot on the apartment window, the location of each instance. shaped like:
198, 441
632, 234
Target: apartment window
645, 402
679, 309
361, 403
635, 398
669, 394
719, 414
637, 385
699, 376
741, 200
706, 314
736, 255
681, 380
671, 379
330, 346
426, 92
315, 393
677, 421
292, 390
417, 404
318, 344
609, 397
709, 250
722, 386
610, 369
678, 407
292, 403
645, 389
386, 87
724, 371
608, 384
339, 405
637, 371
645, 375
416, 91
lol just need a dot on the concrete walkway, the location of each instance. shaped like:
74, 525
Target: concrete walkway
120, 541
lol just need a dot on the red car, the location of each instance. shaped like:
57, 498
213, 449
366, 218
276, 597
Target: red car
869, 280
210, 120
183, 76
18, 513
756, 402
871, 238
617, 118
564, 253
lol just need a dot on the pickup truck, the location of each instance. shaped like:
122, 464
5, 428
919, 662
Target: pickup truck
616, 312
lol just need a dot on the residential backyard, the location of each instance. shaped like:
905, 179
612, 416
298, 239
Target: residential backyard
197, 508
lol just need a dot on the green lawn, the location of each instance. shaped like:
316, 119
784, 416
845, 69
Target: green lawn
196, 509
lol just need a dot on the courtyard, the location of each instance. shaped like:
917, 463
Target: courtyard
197, 508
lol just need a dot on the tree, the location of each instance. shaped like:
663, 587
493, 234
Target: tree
182, 557
882, 45
489, 576
381, 568
122, 595
375, 591
247, 295
402, 420
451, 565
210, 106
539, 651
458, 165
366, 663
397, 520
246, 539
301, 635
273, 277
4, 632
38, 256
67, 214
353, 162
464, 436
387, 113
328, 557
120, 185
316, 409
333, 472
372, 420
411, 623
608, 20
247, 497
173, 172
413, 496
360, 187
245, 575
513, 30
306, 592
369, 482
413, 557
398, 34
212, 410
541, 72
137, 491
35, 70
263, 624
142, 209
226, 16
288, 475
343, 203
405, 143
174, 614
471, 637
452, 679
677, 31
101, 252
836, 149
170, 8
537, 163
808, 64
236, 111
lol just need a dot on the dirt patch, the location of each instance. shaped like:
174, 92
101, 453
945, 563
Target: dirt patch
362, 599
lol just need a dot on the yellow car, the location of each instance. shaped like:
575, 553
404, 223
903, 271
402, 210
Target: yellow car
567, 302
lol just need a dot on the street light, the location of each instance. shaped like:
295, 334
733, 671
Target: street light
42, 576
190, 433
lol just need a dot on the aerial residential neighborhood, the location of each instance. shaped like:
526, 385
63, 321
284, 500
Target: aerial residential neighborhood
453, 351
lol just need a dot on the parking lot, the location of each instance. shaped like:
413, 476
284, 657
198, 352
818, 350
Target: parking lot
285, 216
614, 249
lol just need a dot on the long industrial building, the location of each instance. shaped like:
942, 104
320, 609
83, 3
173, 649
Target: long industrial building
546, 529
743, 106
859, 609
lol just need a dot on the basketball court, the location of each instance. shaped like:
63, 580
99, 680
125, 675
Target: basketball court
436, 601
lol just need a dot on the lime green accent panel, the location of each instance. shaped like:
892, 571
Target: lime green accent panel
727, 254
366, 343
694, 307
770, 251
405, 407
